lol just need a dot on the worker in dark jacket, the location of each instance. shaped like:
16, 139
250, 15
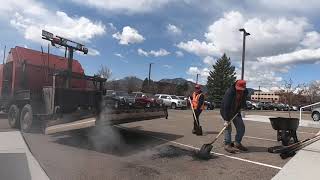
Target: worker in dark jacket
233, 101
197, 100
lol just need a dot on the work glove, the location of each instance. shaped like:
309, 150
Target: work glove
226, 123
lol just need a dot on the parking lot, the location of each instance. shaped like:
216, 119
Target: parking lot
158, 149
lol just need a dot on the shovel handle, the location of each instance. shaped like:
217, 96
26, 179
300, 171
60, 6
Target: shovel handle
224, 128
194, 114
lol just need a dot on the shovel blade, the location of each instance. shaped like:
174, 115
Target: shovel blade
204, 152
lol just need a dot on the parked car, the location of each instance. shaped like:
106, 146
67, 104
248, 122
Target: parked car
315, 114
249, 105
209, 105
118, 99
294, 108
267, 106
256, 105
172, 101
146, 100
281, 107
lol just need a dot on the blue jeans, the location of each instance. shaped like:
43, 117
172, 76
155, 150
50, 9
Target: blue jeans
240, 128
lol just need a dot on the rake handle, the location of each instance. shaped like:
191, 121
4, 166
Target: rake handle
224, 128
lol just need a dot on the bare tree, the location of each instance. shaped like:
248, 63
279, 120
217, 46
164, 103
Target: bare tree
104, 72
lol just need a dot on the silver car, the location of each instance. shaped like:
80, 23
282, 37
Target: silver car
172, 101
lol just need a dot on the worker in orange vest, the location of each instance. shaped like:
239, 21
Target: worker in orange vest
197, 100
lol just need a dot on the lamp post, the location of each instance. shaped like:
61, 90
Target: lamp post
197, 78
149, 75
245, 33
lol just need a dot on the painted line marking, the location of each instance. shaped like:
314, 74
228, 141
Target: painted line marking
306, 133
219, 154
265, 139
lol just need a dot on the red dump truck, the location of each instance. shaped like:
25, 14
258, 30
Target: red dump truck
32, 92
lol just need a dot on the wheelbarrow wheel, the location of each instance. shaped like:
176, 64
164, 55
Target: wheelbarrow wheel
285, 137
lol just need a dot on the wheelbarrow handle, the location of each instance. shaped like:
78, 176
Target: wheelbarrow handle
223, 129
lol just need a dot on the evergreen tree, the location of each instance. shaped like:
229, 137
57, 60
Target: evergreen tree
220, 79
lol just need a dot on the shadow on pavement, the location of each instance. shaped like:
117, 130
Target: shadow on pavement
115, 141
210, 132
256, 149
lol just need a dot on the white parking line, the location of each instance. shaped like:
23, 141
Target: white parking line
306, 133
265, 139
219, 154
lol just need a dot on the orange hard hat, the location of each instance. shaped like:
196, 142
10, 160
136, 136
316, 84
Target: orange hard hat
241, 85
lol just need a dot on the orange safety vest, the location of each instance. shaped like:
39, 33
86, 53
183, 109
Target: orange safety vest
195, 101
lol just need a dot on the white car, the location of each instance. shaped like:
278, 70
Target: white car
172, 101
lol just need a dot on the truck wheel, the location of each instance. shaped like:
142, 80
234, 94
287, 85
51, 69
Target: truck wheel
14, 116
173, 106
26, 118
316, 116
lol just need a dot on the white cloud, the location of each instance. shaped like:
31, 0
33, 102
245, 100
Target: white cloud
167, 66
119, 55
125, 6
195, 70
173, 29
271, 41
291, 5
268, 36
112, 27
199, 48
29, 7
311, 40
179, 54
93, 52
300, 56
192, 80
158, 53
142, 52
128, 36
257, 75
75, 28
209, 60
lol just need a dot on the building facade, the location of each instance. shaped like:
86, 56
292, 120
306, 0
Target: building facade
265, 97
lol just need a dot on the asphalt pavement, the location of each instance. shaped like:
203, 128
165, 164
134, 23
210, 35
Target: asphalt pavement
156, 149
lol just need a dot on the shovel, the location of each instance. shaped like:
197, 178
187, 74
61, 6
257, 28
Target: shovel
204, 152
199, 128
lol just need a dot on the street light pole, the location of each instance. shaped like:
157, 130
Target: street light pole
149, 75
245, 33
197, 78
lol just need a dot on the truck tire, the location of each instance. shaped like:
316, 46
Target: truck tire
14, 116
26, 119
173, 106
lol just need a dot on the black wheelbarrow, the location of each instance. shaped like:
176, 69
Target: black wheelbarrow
286, 129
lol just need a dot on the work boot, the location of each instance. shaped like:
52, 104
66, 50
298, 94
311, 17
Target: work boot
230, 149
240, 146
194, 131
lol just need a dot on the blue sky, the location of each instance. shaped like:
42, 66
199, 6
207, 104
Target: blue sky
127, 35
